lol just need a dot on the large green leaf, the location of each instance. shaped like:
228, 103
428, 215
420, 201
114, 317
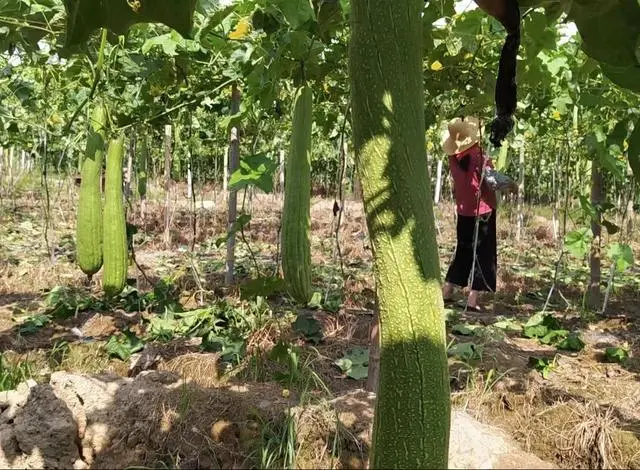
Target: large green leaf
609, 36
296, 12
577, 242
256, 170
625, 77
622, 255
85, 16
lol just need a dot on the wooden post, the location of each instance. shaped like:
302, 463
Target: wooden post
438, 193
520, 225
234, 163
167, 185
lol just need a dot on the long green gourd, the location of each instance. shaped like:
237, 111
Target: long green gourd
412, 416
296, 219
89, 216
115, 253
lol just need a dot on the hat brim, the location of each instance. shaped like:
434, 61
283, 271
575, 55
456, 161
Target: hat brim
451, 147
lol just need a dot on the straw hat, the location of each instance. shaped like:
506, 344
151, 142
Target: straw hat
461, 135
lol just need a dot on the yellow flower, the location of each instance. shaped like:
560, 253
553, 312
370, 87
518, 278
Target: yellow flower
241, 31
436, 66
556, 115
286, 393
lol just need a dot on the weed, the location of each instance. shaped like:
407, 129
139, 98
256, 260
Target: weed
543, 365
278, 443
14, 373
58, 354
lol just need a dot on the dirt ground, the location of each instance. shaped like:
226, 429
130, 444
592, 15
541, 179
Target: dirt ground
576, 409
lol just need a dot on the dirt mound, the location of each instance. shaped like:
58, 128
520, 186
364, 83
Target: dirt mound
107, 421
111, 422
349, 420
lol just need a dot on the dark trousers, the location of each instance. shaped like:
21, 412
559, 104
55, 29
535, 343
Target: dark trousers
484, 277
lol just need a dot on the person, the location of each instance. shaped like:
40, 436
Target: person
474, 185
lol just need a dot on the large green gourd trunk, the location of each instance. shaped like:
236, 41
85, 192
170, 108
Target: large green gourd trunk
412, 416
89, 217
296, 219
116, 254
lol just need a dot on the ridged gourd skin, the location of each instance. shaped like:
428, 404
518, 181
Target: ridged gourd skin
296, 218
115, 253
89, 216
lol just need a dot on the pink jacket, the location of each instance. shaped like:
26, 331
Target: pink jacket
467, 183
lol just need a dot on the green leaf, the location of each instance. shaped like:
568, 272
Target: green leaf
542, 325
538, 331
622, 255
231, 350
33, 324
241, 222
544, 366
309, 327
233, 120
162, 328
609, 30
124, 345
169, 43
553, 336
358, 372
296, 12
465, 351
316, 300
255, 170
573, 342
577, 242
617, 354
625, 77
465, 330
508, 325
86, 16
355, 363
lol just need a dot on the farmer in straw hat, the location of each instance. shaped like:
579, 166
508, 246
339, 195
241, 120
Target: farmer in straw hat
475, 202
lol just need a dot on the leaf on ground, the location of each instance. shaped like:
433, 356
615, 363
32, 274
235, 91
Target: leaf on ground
617, 354
124, 345
553, 336
355, 363
508, 325
33, 324
465, 330
309, 327
573, 342
542, 325
465, 351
